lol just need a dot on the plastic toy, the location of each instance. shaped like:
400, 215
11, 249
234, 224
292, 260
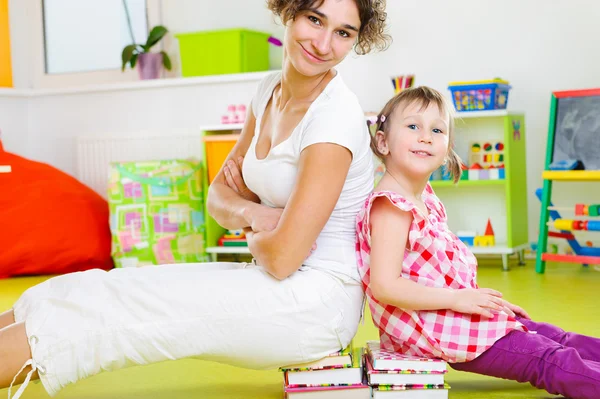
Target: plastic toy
488, 239
235, 114
487, 161
570, 225
580, 209
487, 154
233, 238
581, 254
467, 237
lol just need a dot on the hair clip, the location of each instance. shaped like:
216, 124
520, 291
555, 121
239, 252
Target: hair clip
382, 118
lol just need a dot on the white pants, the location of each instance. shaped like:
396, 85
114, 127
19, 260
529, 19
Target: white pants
236, 313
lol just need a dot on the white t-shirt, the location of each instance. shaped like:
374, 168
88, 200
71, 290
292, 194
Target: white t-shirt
334, 117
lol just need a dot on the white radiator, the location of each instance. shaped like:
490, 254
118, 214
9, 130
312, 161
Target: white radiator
94, 154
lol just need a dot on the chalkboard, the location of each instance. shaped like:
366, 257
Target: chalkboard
577, 131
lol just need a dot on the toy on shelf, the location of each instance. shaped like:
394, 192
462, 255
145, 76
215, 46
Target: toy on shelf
233, 238
482, 95
467, 237
488, 239
486, 160
235, 114
486, 163
402, 82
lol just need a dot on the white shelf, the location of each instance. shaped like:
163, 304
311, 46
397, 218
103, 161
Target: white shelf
7, 92
485, 114
222, 127
137, 85
496, 250
228, 250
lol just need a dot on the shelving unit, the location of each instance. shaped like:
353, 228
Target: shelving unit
228, 133
470, 203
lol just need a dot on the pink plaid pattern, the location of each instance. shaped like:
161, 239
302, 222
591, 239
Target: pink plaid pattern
435, 257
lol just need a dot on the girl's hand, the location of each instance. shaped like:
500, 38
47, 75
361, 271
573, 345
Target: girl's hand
483, 301
519, 311
235, 180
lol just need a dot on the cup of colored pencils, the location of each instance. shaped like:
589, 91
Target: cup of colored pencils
402, 82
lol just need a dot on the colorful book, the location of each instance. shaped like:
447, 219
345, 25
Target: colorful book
359, 391
232, 242
328, 376
411, 392
340, 359
382, 359
402, 377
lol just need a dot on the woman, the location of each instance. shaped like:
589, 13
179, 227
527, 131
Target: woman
308, 170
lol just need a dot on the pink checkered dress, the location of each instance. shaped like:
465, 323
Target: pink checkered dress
436, 258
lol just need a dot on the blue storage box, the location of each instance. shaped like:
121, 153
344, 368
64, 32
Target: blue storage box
482, 95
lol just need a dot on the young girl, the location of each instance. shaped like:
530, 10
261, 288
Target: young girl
421, 280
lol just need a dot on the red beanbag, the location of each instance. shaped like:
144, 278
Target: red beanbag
50, 223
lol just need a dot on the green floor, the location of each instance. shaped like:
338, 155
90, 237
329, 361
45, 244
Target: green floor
565, 295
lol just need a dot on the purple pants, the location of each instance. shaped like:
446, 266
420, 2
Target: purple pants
560, 362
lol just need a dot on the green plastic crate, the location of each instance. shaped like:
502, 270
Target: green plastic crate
223, 52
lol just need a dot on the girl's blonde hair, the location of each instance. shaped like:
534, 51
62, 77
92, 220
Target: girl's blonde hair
423, 96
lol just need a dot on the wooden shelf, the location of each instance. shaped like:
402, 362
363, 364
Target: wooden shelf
571, 175
467, 183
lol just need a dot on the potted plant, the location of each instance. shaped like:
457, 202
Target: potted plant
149, 64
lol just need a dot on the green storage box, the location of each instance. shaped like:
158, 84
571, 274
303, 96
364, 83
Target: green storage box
223, 52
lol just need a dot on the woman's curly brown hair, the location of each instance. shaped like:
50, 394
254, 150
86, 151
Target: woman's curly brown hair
372, 14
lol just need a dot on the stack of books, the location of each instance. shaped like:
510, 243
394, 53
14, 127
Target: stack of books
396, 376
339, 375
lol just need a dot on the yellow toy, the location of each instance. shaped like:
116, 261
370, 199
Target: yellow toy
488, 239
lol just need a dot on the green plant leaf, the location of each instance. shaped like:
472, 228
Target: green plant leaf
157, 33
133, 60
166, 61
128, 52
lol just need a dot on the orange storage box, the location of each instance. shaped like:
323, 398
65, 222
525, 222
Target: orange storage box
216, 149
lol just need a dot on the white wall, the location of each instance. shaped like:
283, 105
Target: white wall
14, 129
539, 46
58, 119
